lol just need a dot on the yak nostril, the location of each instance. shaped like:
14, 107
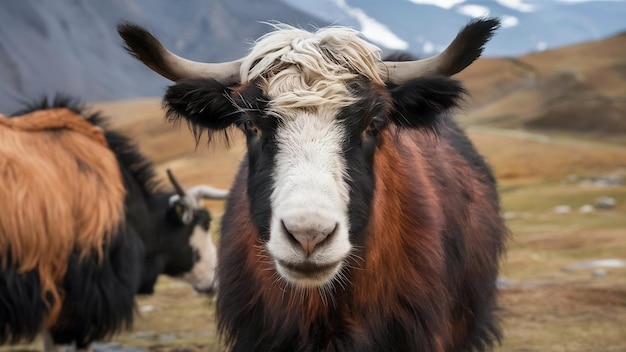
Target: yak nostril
307, 238
290, 236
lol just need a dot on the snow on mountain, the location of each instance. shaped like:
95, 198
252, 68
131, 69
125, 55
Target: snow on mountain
509, 21
517, 5
372, 29
473, 10
444, 4
72, 47
427, 26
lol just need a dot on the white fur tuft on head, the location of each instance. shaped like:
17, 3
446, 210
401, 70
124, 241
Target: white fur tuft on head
303, 69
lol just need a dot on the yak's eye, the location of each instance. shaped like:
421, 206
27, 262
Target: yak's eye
376, 125
248, 127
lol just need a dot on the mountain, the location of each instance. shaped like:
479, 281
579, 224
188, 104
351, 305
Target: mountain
72, 46
425, 27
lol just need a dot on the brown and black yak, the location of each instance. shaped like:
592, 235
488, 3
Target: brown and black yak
362, 218
85, 226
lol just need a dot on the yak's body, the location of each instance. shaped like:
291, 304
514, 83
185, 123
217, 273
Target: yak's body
436, 203
362, 218
85, 226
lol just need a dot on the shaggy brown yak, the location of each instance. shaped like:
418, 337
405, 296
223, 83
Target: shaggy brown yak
35, 168
85, 226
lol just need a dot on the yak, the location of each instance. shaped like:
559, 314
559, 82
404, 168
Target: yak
362, 217
86, 226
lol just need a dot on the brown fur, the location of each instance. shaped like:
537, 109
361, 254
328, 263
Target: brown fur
58, 118
62, 191
412, 214
406, 185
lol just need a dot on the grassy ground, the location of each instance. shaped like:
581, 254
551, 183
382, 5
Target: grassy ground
544, 306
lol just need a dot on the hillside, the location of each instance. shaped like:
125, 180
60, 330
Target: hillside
580, 88
73, 47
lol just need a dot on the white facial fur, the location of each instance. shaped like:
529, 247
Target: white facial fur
310, 195
202, 275
305, 77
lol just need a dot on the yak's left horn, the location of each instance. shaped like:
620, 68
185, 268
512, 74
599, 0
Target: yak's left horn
146, 48
177, 186
464, 49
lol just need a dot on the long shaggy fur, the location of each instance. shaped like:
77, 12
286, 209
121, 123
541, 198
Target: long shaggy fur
426, 276
303, 69
99, 293
62, 190
22, 304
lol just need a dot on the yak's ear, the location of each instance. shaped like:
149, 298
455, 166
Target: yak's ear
202, 102
421, 101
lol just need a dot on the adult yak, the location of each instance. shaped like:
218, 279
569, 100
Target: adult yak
85, 226
362, 218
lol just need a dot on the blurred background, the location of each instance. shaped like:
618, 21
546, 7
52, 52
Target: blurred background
72, 46
547, 108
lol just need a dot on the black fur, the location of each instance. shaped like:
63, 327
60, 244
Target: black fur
421, 102
469, 44
21, 306
203, 102
99, 296
207, 107
363, 120
135, 37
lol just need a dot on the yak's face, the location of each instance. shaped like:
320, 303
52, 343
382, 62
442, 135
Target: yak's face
310, 180
314, 109
310, 173
183, 247
194, 257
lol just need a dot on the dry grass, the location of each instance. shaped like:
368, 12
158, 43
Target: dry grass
517, 155
578, 88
